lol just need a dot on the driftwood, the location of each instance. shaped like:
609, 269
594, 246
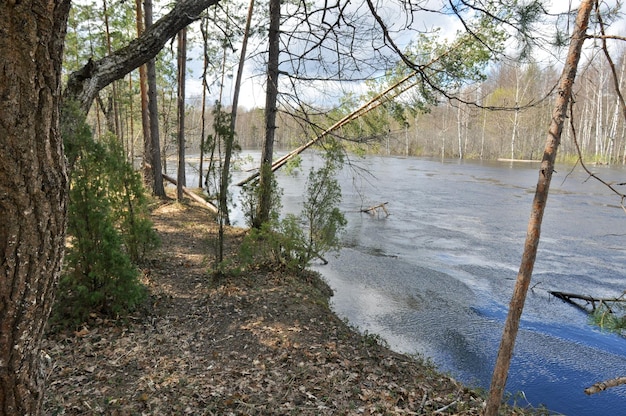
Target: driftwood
501, 159
601, 386
192, 195
375, 209
571, 298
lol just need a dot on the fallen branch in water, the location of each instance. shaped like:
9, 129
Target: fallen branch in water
603, 385
571, 297
375, 209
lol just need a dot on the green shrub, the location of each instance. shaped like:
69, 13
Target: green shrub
297, 239
610, 318
108, 228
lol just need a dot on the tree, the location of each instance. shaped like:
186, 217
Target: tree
265, 177
182, 69
33, 192
154, 159
143, 95
83, 84
33, 180
553, 140
228, 148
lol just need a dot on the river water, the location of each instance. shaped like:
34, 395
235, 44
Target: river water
435, 277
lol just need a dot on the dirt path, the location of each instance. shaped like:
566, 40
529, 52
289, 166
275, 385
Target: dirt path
257, 344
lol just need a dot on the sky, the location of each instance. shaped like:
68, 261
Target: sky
253, 90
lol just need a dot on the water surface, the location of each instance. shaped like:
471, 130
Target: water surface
435, 277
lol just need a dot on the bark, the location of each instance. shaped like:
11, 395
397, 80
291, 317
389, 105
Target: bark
598, 387
33, 192
182, 69
271, 96
511, 326
84, 84
205, 65
158, 188
114, 99
148, 177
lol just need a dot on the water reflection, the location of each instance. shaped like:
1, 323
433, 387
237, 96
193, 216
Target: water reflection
435, 277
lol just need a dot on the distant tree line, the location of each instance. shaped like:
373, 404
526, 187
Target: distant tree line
503, 116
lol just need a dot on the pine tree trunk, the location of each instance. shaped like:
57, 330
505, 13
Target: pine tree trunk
114, 112
158, 189
511, 326
33, 192
265, 181
148, 176
182, 68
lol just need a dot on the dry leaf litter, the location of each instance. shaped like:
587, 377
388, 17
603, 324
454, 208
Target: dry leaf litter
265, 343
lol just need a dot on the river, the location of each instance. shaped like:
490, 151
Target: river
435, 277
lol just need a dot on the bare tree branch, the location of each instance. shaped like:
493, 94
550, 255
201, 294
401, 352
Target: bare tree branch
582, 163
83, 85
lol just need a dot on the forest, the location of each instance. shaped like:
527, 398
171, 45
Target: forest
503, 114
97, 101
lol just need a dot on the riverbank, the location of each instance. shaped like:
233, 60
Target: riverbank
262, 343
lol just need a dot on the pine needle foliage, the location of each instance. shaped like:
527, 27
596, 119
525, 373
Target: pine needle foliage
611, 318
109, 230
294, 241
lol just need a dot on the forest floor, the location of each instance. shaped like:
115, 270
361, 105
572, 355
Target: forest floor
265, 342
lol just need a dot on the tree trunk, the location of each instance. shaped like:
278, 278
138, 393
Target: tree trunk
33, 192
115, 117
271, 95
182, 68
148, 177
158, 188
511, 326
205, 65
228, 151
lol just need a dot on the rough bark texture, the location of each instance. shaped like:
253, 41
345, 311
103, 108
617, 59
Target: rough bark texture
182, 69
148, 177
33, 192
511, 326
84, 84
155, 140
265, 196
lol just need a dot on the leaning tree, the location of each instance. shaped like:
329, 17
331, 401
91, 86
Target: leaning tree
325, 47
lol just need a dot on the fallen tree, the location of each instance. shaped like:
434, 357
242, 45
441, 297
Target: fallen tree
376, 101
603, 385
192, 195
571, 298
375, 209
